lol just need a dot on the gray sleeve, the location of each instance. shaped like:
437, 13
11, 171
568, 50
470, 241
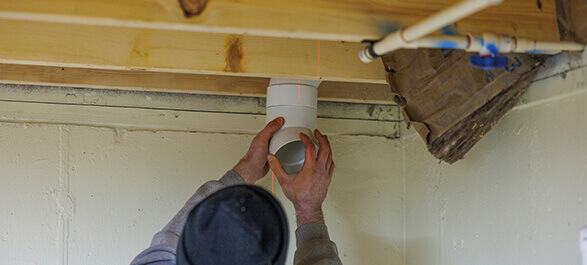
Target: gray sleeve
314, 246
164, 244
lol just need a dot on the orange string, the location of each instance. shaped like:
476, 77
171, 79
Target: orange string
318, 60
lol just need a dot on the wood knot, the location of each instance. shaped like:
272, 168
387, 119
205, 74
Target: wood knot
193, 7
234, 54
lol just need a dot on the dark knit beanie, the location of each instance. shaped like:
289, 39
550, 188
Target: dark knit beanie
240, 224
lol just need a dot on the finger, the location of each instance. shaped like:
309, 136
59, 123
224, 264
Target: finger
271, 128
331, 169
310, 150
324, 149
327, 140
277, 169
329, 162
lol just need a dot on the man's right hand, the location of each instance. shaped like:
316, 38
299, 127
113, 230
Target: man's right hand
307, 189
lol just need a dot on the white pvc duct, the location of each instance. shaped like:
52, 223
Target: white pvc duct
295, 100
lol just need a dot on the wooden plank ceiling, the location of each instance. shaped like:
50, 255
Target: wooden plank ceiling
225, 46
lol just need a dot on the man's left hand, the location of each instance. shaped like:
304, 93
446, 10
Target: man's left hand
253, 166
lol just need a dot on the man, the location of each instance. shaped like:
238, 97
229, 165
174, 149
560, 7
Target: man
230, 221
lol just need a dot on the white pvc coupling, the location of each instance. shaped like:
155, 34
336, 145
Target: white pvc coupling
296, 100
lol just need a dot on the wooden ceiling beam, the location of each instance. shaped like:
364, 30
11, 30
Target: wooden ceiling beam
181, 83
120, 48
228, 47
337, 20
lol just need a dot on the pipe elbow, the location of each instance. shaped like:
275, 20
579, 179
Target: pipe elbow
296, 100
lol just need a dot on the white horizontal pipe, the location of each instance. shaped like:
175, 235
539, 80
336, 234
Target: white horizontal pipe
400, 39
502, 44
443, 42
559, 45
413, 36
506, 44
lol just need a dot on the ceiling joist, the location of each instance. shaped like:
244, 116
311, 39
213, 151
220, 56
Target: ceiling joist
118, 48
224, 46
351, 21
181, 83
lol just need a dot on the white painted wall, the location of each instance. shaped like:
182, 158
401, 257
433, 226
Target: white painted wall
79, 188
89, 194
519, 196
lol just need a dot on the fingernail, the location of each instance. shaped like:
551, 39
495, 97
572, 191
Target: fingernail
269, 158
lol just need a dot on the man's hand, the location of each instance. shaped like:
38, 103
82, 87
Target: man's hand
253, 166
307, 189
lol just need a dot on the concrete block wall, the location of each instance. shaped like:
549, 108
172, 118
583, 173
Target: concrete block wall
31, 195
89, 182
87, 193
519, 196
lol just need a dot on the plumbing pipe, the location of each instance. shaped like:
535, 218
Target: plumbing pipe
489, 43
556, 46
295, 100
401, 38
583, 244
441, 42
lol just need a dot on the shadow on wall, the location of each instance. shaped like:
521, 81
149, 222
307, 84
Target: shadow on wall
364, 215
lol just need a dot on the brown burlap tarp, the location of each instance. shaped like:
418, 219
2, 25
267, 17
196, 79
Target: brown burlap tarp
572, 19
453, 105
449, 103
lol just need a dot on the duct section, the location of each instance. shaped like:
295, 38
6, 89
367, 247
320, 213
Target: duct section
296, 101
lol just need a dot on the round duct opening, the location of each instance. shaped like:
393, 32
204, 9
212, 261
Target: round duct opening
292, 156
287, 146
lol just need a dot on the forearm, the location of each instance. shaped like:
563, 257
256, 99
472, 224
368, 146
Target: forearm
249, 171
164, 243
306, 215
314, 246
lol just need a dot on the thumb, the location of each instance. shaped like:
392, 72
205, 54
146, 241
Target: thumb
277, 169
271, 128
